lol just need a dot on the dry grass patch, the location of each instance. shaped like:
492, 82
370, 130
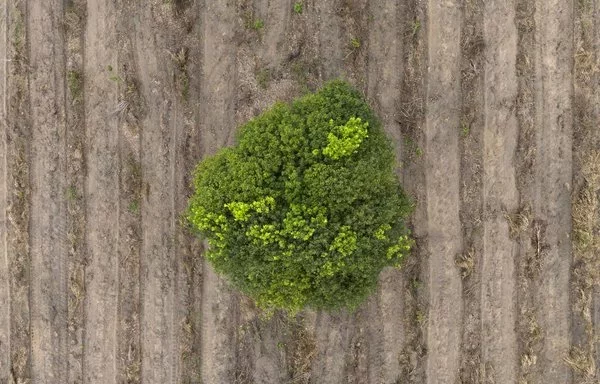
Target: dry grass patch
586, 271
465, 263
518, 222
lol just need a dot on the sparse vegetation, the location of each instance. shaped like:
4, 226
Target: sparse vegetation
298, 7
183, 78
532, 335
18, 34
416, 27
412, 147
585, 210
581, 362
263, 77
306, 209
420, 317
465, 130
466, 263
302, 72
586, 271
112, 76
134, 207
355, 43
74, 82
72, 194
518, 222
258, 24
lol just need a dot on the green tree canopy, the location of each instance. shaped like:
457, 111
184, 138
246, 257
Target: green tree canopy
306, 209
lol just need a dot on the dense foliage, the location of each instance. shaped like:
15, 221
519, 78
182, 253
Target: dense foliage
306, 209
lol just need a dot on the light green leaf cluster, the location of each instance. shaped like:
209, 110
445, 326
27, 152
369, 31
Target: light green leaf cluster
345, 139
241, 211
402, 246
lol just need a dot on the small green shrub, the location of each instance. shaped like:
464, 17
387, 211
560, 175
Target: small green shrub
258, 24
298, 7
306, 209
75, 84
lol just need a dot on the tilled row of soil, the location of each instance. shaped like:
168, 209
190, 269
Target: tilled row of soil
107, 105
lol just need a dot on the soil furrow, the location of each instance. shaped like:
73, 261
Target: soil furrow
331, 331
528, 257
385, 52
48, 220
189, 249
498, 339
471, 132
277, 19
371, 321
410, 116
357, 350
159, 129
74, 19
131, 110
356, 19
596, 320
108, 105
17, 155
585, 276
553, 176
5, 316
596, 102
442, 186
218, 122
330, 40
101, 193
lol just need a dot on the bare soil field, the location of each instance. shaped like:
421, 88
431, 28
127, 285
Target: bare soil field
107, 106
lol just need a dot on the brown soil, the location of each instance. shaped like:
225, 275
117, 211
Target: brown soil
108, 105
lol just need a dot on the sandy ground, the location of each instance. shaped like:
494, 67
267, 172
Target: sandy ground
107, 105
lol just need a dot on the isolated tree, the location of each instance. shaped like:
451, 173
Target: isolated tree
306, 209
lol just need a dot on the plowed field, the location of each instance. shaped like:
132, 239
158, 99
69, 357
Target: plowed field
107, 105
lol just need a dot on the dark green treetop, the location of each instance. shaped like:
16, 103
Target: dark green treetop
306, 209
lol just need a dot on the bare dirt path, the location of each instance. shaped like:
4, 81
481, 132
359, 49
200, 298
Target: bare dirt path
74, 24
159, 136
331, 334
410, 117
188, 318
498, 340
5, 317
277, 16
48, 193
218, 123
131, 109
330, 39
385, 52
528, 257
553, 176
442, 183
101, 192
17, 136
472, 129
